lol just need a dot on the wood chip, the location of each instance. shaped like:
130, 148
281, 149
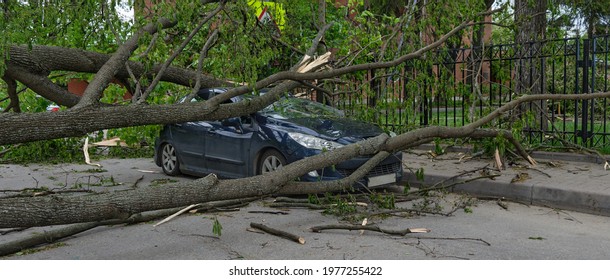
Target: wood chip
498, 159
364, 224
86, 153
176, 214
419, 230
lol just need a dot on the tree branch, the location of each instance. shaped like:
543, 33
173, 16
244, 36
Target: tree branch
12, 94
177, 51
370, 228
102, 78
279, 233
202, 55
43, 86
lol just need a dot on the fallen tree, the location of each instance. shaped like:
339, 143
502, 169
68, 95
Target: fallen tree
32, 66
43, 211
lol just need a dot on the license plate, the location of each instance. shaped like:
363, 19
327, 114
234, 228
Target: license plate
382, 180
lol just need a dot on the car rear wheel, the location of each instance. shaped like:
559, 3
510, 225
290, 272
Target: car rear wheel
169, 160
270, 161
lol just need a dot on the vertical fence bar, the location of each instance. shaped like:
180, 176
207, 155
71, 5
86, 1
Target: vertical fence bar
605, 112
543, 104
576, 90
585, 89
565, 87
552, 88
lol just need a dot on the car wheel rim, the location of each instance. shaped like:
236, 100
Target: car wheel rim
271, 163
169, 158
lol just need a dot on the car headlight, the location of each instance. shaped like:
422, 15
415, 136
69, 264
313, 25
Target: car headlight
313, 142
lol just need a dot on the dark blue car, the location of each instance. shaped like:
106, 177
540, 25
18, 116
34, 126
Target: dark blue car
286, 131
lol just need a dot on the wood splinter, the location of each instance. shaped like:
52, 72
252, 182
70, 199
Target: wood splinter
279, 233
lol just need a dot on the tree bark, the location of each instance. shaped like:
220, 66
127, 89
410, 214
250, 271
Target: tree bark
12, 94
31, 67
530, 19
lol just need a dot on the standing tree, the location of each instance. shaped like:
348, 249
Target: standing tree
530, 30
594, 15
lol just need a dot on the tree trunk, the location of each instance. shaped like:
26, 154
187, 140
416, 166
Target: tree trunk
530, 21
54, 210
31, 67
19, 128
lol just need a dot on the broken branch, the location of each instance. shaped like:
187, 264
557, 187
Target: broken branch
279, 233
370, 228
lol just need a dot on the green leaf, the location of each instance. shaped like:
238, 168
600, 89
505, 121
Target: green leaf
419, 174
217, 227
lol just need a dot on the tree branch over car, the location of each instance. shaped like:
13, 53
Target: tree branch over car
31, 66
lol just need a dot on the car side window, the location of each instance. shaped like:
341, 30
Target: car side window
246, 121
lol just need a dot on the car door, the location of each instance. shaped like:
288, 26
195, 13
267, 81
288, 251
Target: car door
189, 140
227, 149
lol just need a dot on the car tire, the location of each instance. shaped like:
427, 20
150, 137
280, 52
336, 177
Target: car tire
270, 161
169, 160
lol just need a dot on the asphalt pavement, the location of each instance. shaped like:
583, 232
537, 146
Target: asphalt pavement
529, 223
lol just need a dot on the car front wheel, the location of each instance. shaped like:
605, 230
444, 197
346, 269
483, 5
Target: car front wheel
169, 160
270, 161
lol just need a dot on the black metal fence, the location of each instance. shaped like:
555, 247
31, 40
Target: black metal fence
453, 87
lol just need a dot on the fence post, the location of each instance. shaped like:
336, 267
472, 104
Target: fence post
585, 133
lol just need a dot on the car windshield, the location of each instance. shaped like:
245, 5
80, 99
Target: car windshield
292, 107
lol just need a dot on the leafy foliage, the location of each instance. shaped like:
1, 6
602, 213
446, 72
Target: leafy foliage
52, 151
246, 51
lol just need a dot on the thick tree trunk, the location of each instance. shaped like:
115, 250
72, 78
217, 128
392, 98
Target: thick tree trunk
530, 19
53, 210
19, 128
31, 66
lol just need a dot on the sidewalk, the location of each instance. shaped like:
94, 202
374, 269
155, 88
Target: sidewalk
559, 180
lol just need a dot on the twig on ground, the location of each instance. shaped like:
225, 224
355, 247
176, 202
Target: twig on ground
270, 212
371, 228
452, 238
279, 233
311, 205
291, 200
298, 205
408, 210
